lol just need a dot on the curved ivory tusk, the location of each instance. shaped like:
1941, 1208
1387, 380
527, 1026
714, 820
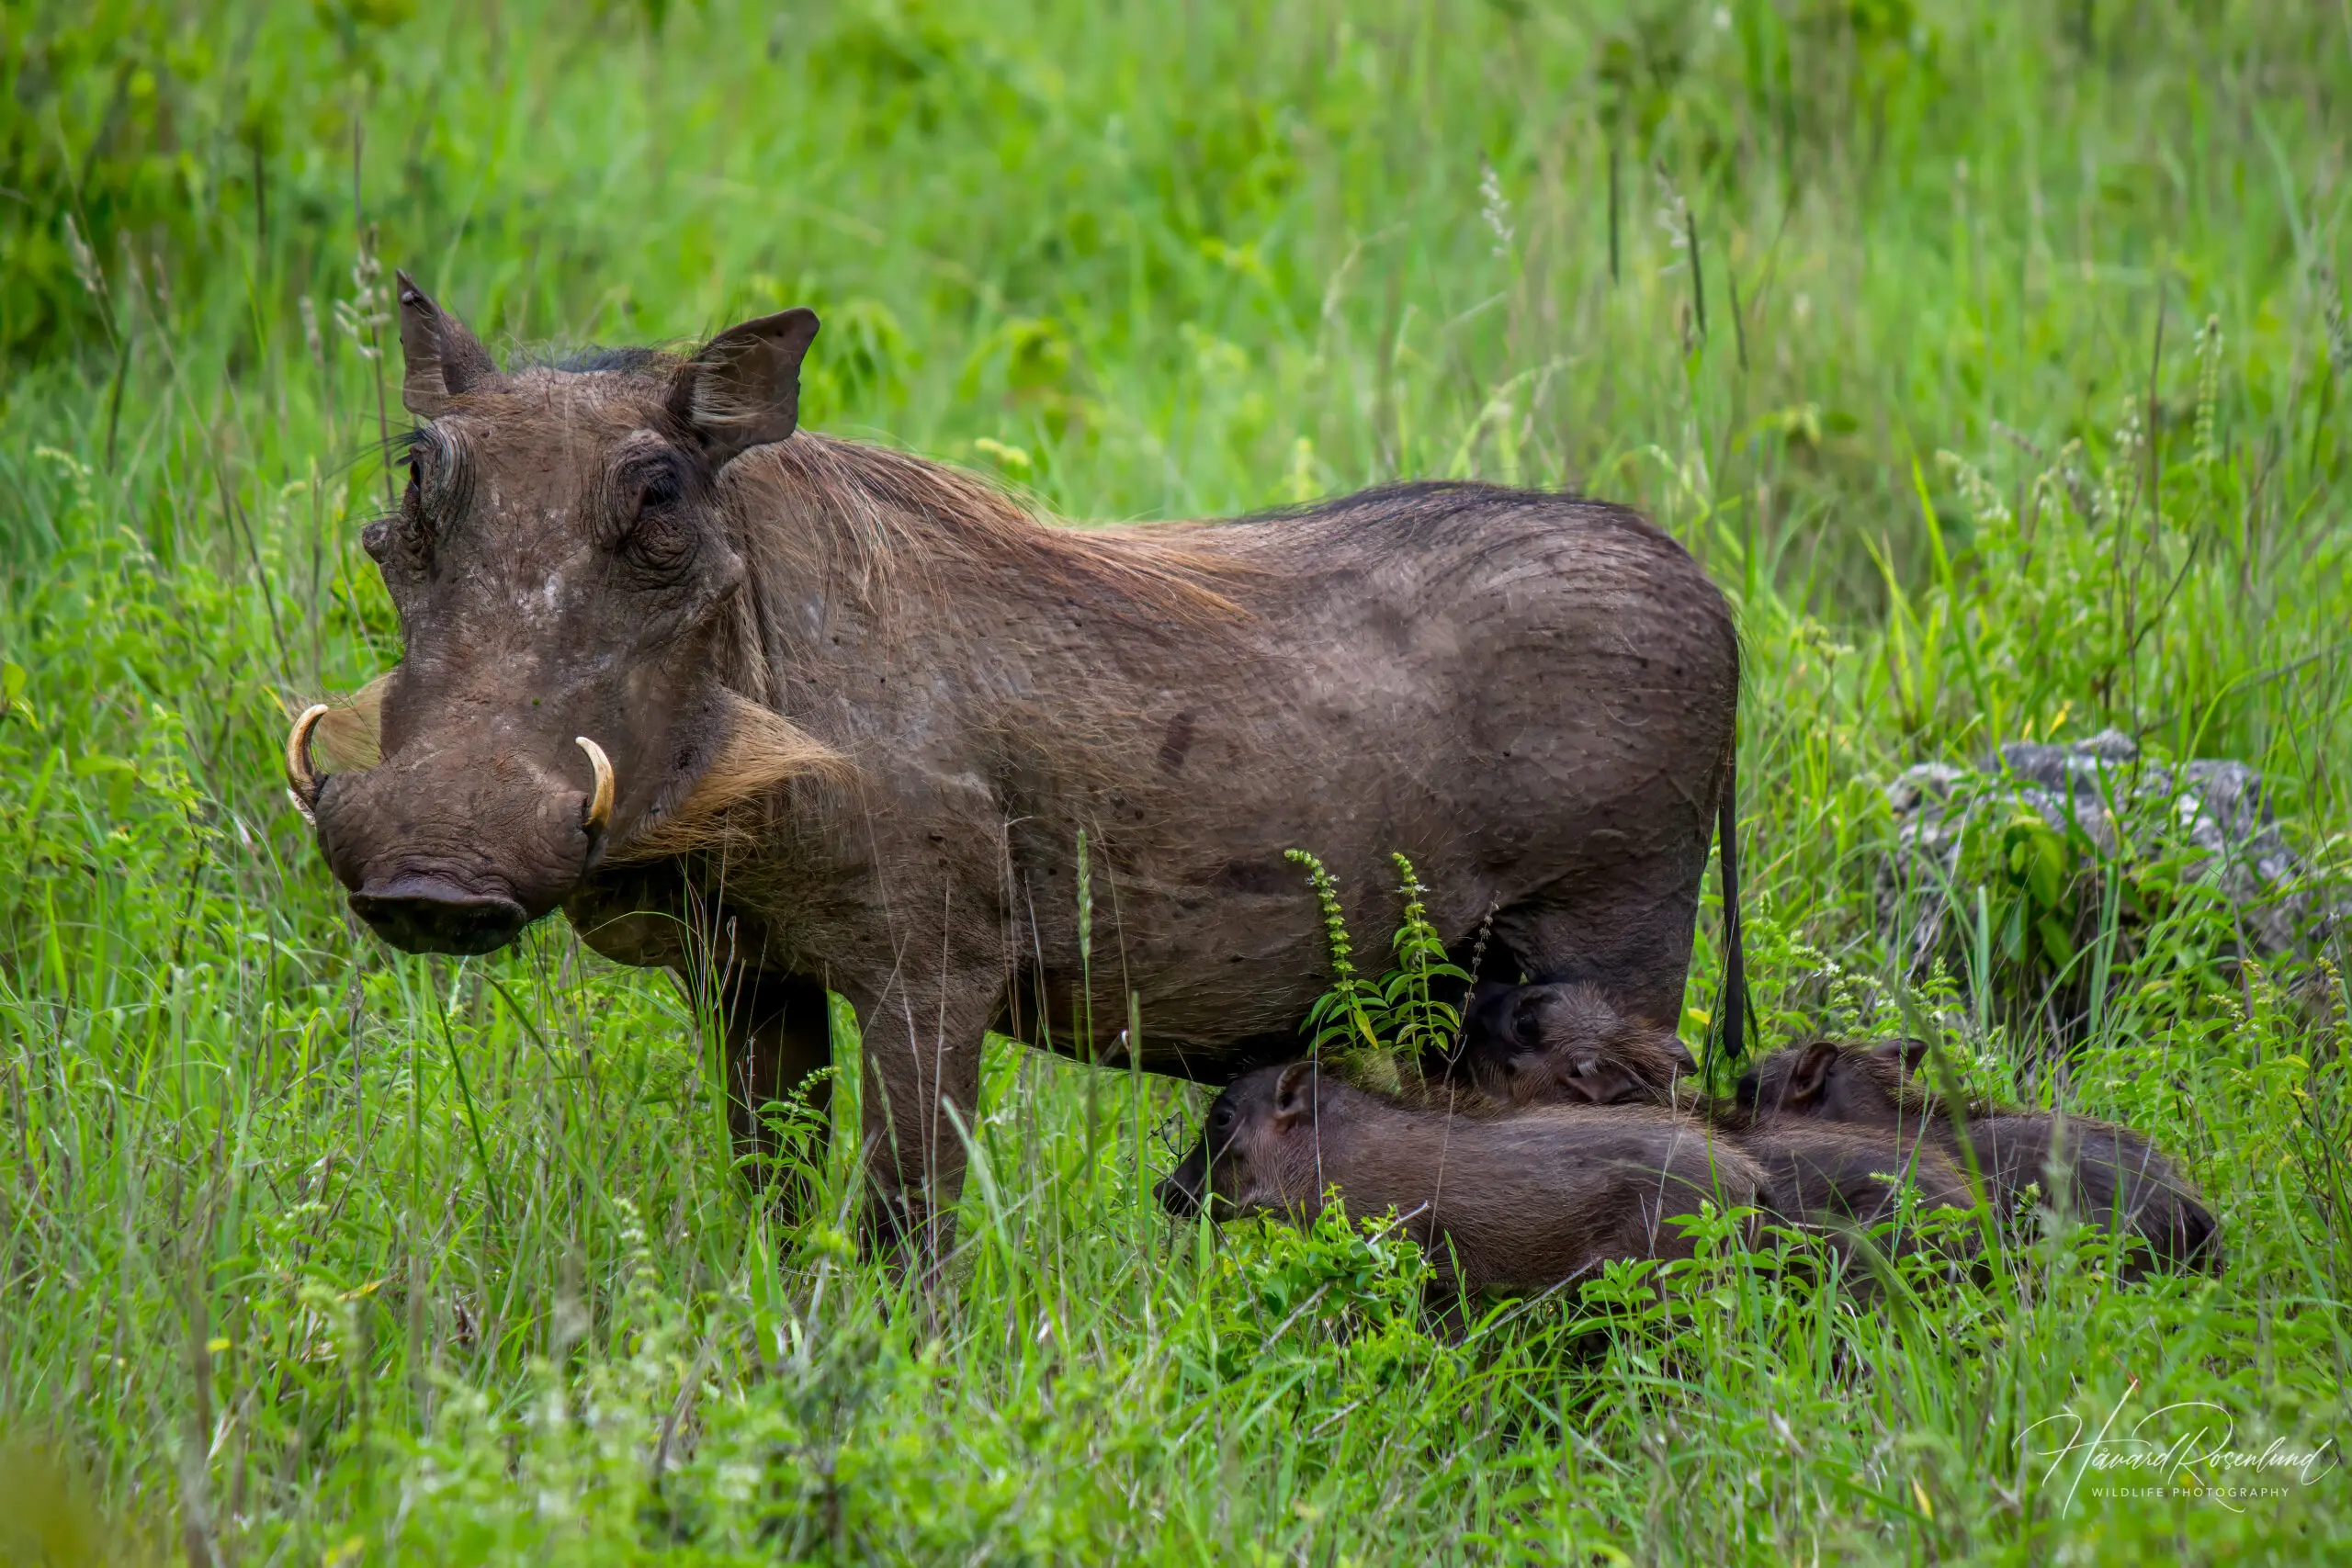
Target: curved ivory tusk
301, 782
600, 804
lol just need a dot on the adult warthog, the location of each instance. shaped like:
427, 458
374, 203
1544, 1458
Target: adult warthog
748, 701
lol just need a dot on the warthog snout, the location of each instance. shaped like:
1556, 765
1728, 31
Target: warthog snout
431, 914
1178, 1199
1206, 1179
447, 855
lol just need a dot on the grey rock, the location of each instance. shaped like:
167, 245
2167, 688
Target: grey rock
2209, 812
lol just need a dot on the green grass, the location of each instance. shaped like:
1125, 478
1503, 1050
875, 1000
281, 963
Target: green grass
316, 1253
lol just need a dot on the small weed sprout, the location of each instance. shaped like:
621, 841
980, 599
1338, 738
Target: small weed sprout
1420, 1024
365, 314
2331, 307
85, 262
1341, 1019
1494, 207
1379, 1033
1985, 504
2209, 392
2120, 483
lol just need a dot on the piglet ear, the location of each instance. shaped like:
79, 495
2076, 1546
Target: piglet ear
1809, 1077
1295, 1094
442, 358
742, 388
1489, 1011
1911, 1056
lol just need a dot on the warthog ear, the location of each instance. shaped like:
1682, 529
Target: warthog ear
1908, 1052
1295, 1094
443, 357
1809, 1077
1908, 1056
742, 389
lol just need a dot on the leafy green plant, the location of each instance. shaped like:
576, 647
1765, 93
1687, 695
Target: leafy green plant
1418, 1025
2035, 873
1381, 1032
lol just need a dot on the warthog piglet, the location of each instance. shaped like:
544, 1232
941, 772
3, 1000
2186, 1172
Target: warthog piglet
1569, 1044
2109, 1175
1566, 1045
1841, 1178
1520, 1200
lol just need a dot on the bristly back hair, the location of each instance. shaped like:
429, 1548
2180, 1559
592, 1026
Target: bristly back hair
879, 514
882, 512
590, 359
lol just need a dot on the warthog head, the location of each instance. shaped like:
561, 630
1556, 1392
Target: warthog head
1256, 1153
567, 593
1566, 1044
1829, 1080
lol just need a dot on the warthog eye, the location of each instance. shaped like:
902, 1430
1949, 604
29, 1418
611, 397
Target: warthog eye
658, 488
656, 539
406, 531
1220, 1127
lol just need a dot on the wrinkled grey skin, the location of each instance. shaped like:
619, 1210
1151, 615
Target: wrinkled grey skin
1531, 695
1519, 1200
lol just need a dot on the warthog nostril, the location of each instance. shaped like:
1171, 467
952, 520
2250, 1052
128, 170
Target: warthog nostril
424, 914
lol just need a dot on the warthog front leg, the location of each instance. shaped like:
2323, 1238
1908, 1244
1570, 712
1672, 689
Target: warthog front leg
921, 1099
